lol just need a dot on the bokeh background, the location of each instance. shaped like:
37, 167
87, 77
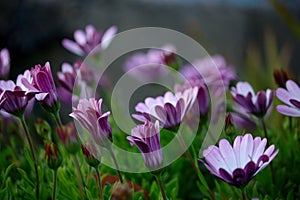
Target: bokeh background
251, 34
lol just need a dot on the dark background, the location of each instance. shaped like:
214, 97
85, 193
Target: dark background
33, 29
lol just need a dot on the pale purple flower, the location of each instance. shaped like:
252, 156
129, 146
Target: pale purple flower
202, 104
242, 119
169, 109
202, 69
147, 139
89, 115
88, 40
14, 98
291, 97
148, 66
67, 77
4, 63
41, 81
239, 163
256, 104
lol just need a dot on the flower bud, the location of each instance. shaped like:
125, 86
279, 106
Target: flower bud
281, 77
90, 154
43, 128
53, 156
121, 192
68, 136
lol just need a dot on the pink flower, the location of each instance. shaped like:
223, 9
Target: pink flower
88, 113
14, 98
4, 63
291, 97
169, 110
148, 66
41, 81
256, 104
147, 139
239, 163
86, 42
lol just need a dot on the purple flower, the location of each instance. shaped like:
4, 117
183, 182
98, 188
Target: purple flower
257, 105
15, 97
203, 101
239, 163
201, 68
169, 110
86, 42
88, 113
41, 81
147, 139
66, 80
291, 97
148, 66
242, 119
4, 63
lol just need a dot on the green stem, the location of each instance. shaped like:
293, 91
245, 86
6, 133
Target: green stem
264, 127
99, 181
161, 186
244, 196
23, 122
57, 119
54, 184
79, 177
116, 164
291, 124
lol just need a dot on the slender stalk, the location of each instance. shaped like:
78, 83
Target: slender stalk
116, 164
54, 184
291, 124
244, 196
161, 186
264, 127
195, 167
79, 177
57, 119
23, 122
99, 182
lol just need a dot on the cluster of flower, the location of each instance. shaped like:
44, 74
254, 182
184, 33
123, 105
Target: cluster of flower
235, 164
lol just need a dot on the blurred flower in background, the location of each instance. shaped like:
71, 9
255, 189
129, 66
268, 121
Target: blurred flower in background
87, 42
291, 97
150, 66
4, 63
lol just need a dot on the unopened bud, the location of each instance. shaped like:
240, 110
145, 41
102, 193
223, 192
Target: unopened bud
90, 154
53, 156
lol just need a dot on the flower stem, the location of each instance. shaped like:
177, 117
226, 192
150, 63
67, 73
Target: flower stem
244, 196
79, 177
99, 181
23, 122
116, 164
161, 186
195, 167
54, 184
264, 127
57, 119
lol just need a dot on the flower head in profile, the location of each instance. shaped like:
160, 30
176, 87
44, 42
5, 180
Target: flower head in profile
291, 97
150, 65
68, 136
89, 115
4, 63
88, 40
41, 81
169, 109
256, 104
14, 97
239, 163
147, 139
